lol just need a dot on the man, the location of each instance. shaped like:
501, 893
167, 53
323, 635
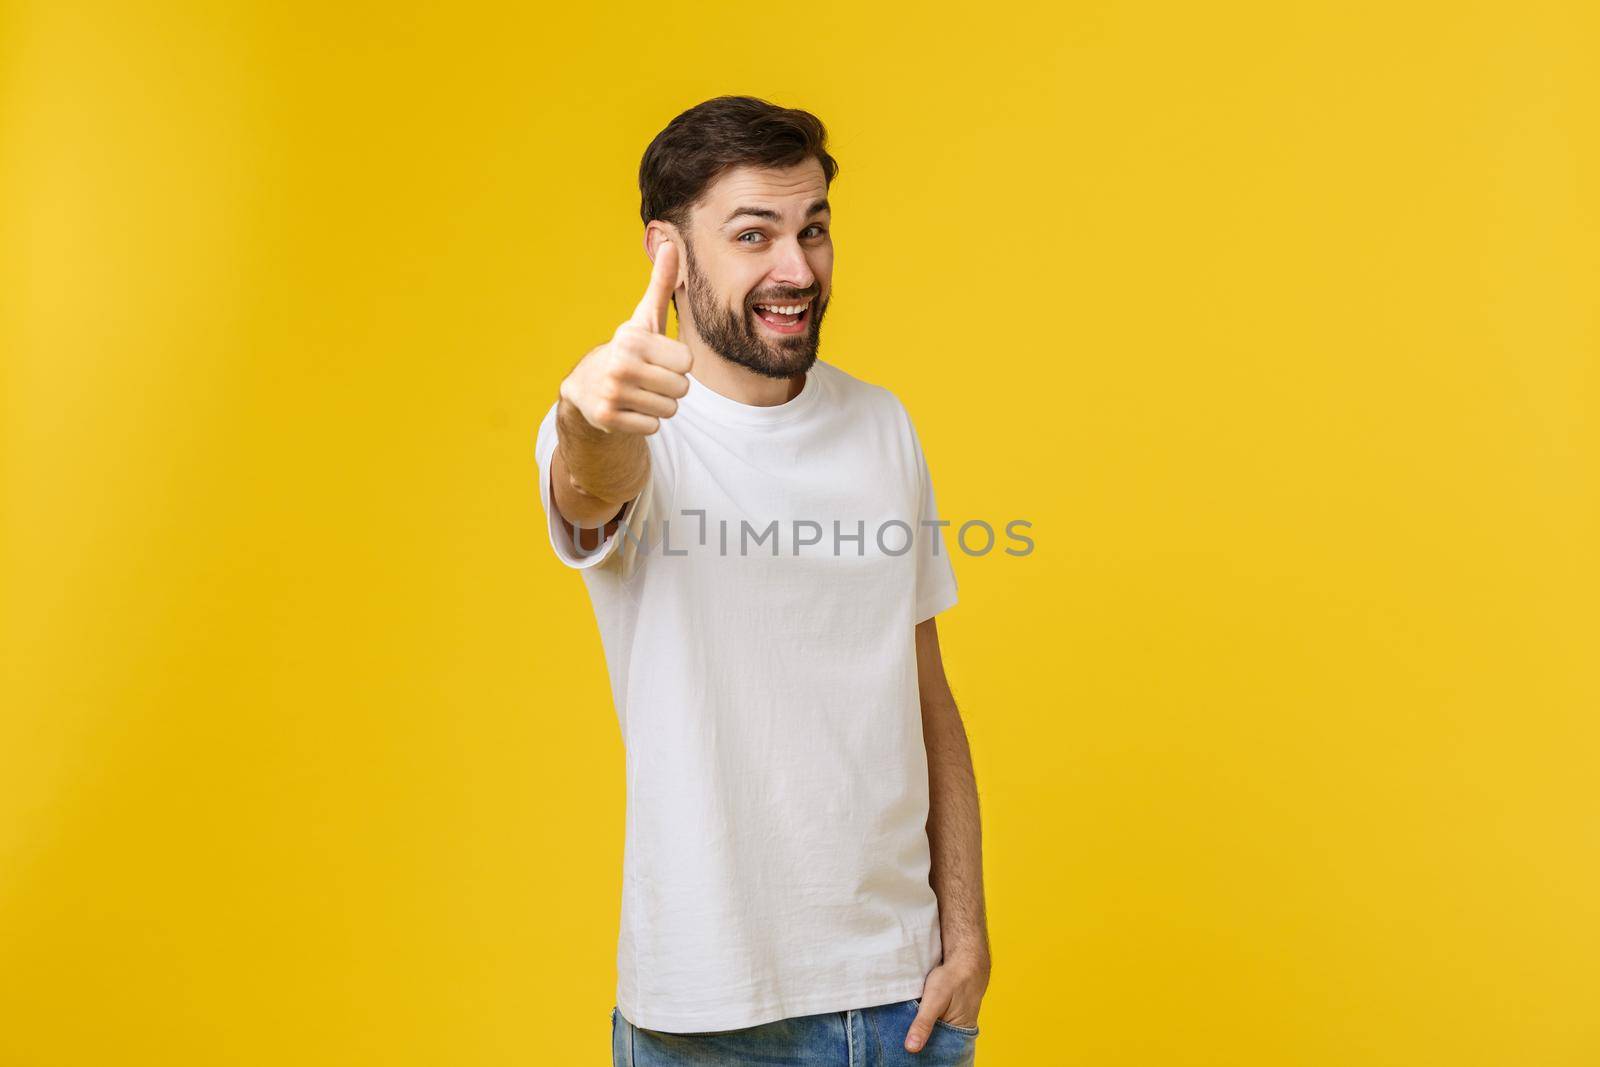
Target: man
802, 879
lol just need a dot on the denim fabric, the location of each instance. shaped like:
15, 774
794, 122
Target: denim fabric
864, 1037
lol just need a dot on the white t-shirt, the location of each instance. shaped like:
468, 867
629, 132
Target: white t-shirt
757, 611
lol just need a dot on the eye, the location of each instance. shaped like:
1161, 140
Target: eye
818, 227
749, 233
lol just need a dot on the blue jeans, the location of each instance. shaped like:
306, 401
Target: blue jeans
864, 1037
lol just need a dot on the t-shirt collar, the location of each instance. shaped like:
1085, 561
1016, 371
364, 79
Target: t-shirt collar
702, 397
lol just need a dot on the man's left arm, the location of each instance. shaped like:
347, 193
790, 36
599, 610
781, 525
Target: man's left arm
954, 989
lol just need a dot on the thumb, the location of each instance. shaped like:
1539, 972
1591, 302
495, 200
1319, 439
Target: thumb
652, 310
921, 1026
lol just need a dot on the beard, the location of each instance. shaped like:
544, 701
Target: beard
735, 336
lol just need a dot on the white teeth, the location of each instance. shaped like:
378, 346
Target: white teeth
795, 310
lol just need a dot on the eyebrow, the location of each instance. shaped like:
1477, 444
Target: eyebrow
817, 207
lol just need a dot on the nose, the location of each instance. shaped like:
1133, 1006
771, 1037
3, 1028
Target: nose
792, 269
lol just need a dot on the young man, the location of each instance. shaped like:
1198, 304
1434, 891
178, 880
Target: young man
802, 880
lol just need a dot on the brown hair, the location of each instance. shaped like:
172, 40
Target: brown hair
709, 138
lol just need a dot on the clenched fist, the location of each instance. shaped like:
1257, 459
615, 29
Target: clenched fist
632, 382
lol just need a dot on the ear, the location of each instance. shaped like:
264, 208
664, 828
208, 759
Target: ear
656, 232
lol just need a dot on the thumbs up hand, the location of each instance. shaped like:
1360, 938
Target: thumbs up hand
632, 382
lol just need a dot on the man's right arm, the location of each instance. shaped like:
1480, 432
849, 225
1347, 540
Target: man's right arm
606, 470
615, 397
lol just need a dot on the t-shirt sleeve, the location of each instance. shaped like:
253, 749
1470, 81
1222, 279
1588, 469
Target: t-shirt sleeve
936, 576
566, 547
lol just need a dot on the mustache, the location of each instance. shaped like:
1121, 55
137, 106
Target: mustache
779, 298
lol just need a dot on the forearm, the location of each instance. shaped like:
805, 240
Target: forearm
594, 473
955, 834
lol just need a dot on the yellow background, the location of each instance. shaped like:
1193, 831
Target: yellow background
1278, 322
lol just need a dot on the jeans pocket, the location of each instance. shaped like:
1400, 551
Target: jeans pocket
968, 1031
964, 1031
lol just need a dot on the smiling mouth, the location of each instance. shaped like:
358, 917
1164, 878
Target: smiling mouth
782, 317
